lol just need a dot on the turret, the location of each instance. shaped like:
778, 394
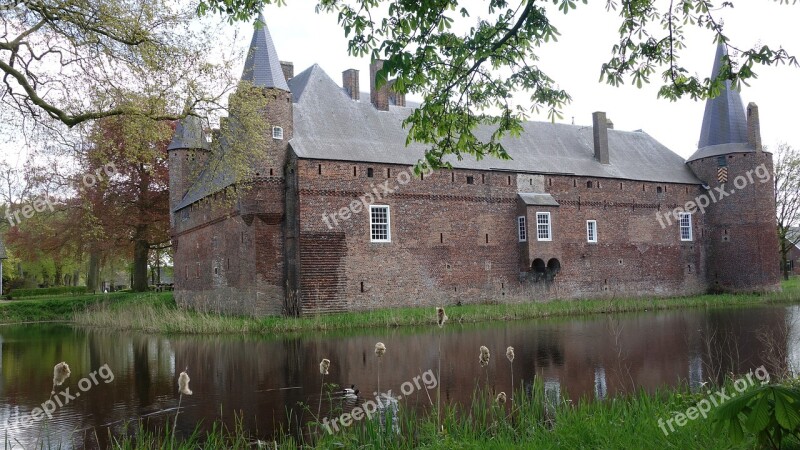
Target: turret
740, 223
263, 69
188, 152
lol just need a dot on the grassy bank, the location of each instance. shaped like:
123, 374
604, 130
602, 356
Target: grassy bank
64, 307
159, 313
625, 422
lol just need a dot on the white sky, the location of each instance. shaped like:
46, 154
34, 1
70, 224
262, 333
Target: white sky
587, 35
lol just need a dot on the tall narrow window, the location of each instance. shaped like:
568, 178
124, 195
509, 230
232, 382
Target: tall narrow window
591, 231
369, 172
543, 228
379, 224
685, 220
522, 229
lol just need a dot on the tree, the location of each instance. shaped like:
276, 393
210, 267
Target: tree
133, 204
79, 60
467, 78
787, 200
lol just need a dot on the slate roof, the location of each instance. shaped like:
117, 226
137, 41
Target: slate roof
329, 125
724, 127
189, 134
262, 66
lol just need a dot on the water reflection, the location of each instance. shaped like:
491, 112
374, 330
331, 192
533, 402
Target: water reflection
262, 377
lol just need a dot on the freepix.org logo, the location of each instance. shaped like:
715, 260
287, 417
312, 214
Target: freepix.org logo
65, 397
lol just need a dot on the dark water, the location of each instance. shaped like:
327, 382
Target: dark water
261, 378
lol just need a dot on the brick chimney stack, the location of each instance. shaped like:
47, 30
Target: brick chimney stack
350, 83
378, 97
600, 129
288, 69
753, 127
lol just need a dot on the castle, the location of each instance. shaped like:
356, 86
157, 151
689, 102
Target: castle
335, 219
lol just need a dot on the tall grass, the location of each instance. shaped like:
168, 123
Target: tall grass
625, 422
160, 314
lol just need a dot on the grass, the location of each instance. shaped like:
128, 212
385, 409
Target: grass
629, 421
158, 313
64, 307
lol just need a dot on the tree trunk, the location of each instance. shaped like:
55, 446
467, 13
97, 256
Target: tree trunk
93, 274
784, 259
140, 251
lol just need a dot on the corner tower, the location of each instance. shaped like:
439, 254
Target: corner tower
264, 70
740, 223
188, 152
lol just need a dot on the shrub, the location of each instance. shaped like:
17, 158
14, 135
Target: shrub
74, 290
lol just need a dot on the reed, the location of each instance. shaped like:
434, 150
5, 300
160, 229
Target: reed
158, 313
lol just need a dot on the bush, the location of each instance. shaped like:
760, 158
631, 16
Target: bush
22, 293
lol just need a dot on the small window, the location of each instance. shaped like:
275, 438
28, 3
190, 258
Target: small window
589, 184
685, 220
522, 229
591, 231
379, 223
543, 229
369, 172
658, 190
470, 180
277, 133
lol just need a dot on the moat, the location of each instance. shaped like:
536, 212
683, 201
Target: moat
261, 378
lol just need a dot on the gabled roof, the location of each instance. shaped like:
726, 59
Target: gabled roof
262, 66
329, 125
189, 134
724, 127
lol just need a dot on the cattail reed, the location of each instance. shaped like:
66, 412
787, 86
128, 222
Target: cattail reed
380, 350
441, 317
484, 358
510, 357
183, 383
183, 388
324, 365
60, 374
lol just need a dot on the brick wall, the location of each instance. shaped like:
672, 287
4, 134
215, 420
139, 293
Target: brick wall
453, 241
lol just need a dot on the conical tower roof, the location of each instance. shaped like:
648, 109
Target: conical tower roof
724, 127
189, 134
262, 66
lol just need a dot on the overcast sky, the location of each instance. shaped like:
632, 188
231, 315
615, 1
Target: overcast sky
587, 35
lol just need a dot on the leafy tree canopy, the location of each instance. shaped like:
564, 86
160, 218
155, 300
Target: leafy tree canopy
80, 60
450, 52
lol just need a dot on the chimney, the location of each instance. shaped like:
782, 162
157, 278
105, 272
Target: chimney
753, 127
378, 97
350, 83
288, 69
600, 128
396, 98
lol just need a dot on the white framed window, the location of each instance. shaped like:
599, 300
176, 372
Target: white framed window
379, 224
277, 133
522, 229
685, 222
591, 231
544, 231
